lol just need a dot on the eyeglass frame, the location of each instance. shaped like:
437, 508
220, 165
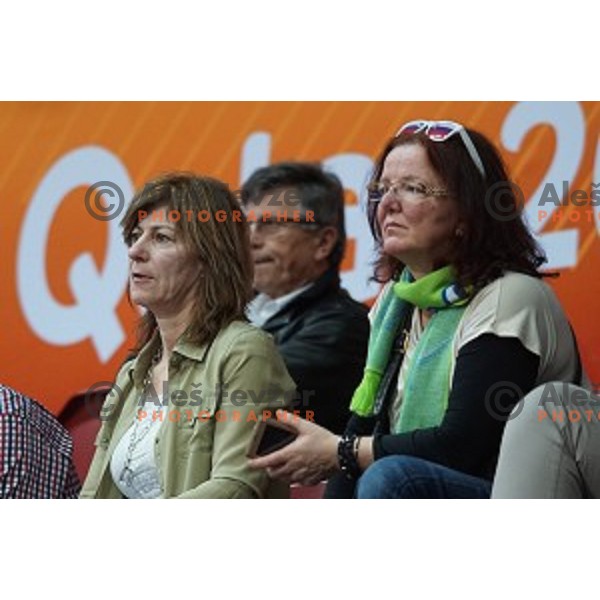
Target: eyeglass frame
427, 191
424, 126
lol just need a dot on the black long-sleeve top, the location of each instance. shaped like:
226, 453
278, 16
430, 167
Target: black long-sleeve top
491, 375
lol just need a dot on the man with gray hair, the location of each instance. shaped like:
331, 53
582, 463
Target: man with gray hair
298, 237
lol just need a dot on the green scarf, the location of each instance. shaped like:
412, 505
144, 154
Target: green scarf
429, 374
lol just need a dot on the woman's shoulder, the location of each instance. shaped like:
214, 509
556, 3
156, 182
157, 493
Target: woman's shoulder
513, 302
515, 305
514, 290
243, 347
242, 334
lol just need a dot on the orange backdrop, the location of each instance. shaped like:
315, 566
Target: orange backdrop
67, 322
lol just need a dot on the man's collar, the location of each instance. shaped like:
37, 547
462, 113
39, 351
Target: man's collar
263, 307
329, 281
283, 300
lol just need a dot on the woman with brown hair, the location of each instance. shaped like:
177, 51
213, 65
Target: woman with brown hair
189, 401
463, 328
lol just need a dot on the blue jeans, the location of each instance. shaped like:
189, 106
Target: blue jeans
409, 477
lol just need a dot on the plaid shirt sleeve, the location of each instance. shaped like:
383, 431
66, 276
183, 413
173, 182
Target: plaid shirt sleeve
35, 451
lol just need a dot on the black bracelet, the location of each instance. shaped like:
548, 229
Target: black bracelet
347, 457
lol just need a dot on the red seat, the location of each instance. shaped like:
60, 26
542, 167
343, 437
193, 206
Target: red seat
81, 416
305, 492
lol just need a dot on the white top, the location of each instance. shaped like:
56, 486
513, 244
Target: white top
263, 307
526, 308
517, 306
141, 479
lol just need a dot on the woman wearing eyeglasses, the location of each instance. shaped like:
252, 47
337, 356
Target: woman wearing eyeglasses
463, 328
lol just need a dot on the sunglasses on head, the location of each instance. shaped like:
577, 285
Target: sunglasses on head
440, 131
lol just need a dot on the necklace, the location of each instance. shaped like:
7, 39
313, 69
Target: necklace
140, 430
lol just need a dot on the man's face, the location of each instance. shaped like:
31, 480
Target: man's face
286, 254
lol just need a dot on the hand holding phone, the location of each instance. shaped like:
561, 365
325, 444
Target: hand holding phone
271, 435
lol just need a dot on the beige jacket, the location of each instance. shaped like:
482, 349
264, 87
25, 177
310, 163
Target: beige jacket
218, 393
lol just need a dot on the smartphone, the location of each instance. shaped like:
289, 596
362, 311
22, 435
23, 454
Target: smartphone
270, 435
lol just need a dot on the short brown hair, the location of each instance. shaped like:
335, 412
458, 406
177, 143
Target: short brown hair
222, 246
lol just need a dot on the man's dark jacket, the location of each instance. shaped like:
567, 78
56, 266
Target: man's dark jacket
322, 335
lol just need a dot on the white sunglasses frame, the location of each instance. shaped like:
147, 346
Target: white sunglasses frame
424, 126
